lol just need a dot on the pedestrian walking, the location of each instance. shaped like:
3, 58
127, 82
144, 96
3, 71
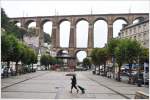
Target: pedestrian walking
73, 83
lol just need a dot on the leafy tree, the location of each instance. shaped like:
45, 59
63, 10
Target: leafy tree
120, 55
144, 55
4, 19
112, 44
47, 38
44, 60
99, 56
22, 32
10, 27
9, 46
86, 63
17, 54
33, 57
133, 49
12, 49
102, 56
32, 32
94, 59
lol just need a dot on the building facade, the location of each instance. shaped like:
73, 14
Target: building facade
138, 31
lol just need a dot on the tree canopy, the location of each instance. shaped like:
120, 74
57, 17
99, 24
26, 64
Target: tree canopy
86, 62
12, 48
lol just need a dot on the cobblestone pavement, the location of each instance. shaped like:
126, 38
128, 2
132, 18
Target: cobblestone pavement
56, 85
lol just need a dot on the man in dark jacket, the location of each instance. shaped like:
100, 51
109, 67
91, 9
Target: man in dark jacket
73, 83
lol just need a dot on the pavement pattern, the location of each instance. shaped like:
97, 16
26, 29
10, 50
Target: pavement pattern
56, 85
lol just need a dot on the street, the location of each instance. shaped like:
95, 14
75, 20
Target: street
56, 85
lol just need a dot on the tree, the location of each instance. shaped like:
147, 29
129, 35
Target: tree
17, 55
10, 47
94, 57
102, 56
45, 60
47, 38
86, 63
12, 50
32, 32
5, 46
4, 19
132, 52
99, 56
120, 55
112, 44
25, 59
144, 55
22, 32
11, 27
33, 58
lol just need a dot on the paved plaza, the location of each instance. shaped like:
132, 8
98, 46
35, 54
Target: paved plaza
56, 85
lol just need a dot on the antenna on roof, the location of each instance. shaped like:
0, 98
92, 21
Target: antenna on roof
55, 12
91, 11
130, 9
26, 14
23, 13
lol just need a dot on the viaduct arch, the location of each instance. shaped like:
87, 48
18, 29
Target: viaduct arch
73, 19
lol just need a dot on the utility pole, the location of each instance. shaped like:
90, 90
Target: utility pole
130, 9
91, 11
23, 13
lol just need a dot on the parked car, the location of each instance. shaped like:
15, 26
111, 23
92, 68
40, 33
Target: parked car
136, 76
5, 72
2, 71
85, 69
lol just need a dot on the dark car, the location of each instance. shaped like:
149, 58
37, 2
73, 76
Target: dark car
5, 72
137, 76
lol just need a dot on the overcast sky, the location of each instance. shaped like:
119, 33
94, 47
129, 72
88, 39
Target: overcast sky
48, 8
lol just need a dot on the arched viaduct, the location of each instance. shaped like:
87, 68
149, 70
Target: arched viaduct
74, 19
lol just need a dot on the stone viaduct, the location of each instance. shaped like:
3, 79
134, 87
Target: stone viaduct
74, 19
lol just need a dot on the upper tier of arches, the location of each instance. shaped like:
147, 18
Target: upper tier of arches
74, 19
